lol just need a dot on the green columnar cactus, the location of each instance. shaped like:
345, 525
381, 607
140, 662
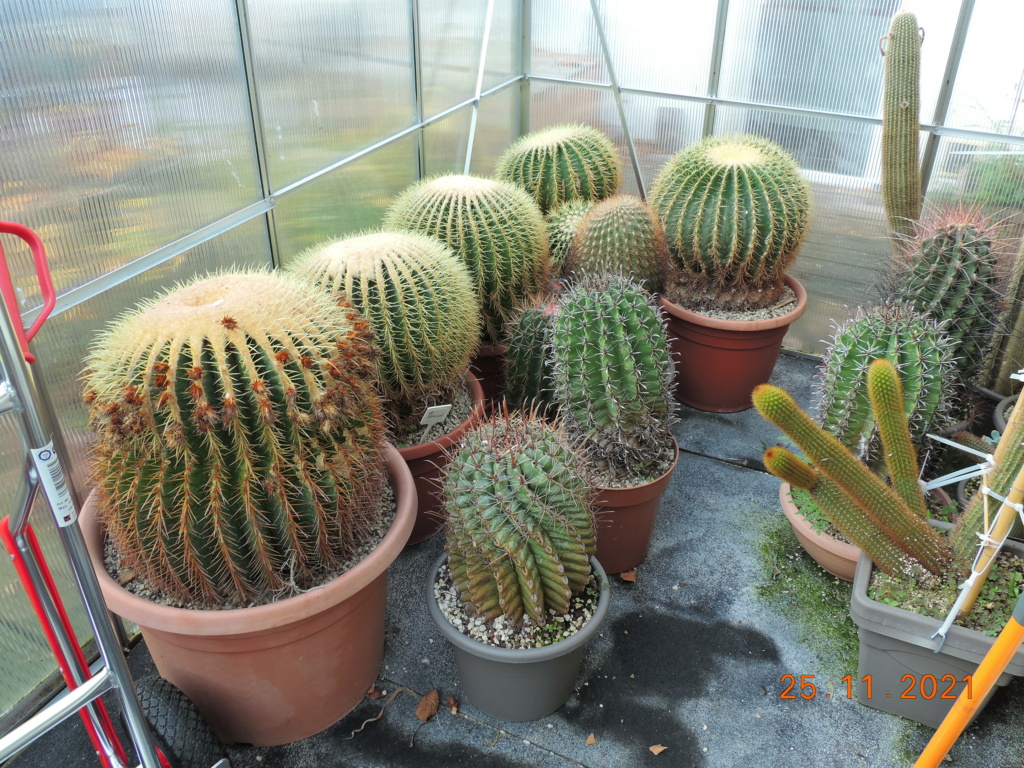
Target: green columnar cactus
735, 210
621, 235
561, 163
1009, 358
901, 172
920, 351
520, 519
895, 521
420, 302
563, 224
613, 372
494, 227
239, 436
528, 365
951, 274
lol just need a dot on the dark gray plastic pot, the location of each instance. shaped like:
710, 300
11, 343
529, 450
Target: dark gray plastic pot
518, 684
898, 652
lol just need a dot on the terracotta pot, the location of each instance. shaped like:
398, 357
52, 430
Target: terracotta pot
427, 462
837, 557
625, 521
275, 673
489, 367
719, 362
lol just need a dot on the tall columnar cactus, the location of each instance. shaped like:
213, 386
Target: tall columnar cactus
951, 274
563, 224
901, 107
529, 367
562, 162
420, 302
918, 348
494, 227
520, 519
622, 235
856, 499
613, 373
239, 436
1009, 357
735, 210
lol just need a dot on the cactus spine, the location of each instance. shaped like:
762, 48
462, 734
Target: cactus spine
561, 163
901, 106
520, 519
621, 235
239, 436
529, 370
563, 224
735, 210
496, 230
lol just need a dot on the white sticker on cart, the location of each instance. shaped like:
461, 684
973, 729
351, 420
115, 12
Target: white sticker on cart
51, 475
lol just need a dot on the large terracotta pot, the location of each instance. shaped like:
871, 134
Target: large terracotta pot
837, 557
625, 521
489, 367
275, 673
719, 362
427, 462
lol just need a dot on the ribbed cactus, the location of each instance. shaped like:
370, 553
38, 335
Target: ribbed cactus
877, 514
921, 353
494, 227
239, 436
901, 107
736, 209
951, 274
529, 368
621, 235
520, 519
420, 302
561, 163
1008, 358
613, 373
563, 224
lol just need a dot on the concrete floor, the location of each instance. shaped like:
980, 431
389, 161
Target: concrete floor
691, 657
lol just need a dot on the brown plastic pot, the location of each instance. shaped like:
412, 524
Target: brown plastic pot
837, 557
625, 520
276, 673
719, 362
427, 462
489, 367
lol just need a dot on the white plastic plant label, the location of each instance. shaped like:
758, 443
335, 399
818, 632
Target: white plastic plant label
435, 414
51, 475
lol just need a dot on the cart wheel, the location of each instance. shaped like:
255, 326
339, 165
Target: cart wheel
182, 734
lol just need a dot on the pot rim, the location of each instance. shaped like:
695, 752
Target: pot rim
600, 489
797, 520
748, 326
239, 621
519, 655
448, 439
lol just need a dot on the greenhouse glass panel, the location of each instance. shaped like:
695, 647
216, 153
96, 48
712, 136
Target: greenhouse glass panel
938, 19
495, 130
445, 142
451, 36
660, 128
565, 43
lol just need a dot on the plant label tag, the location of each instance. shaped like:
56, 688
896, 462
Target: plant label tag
435, 415
51, 475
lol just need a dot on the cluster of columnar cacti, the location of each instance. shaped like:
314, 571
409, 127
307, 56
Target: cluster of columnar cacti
918, 348
951, 275
494, 227
621, 235
239, 436
529, 368
1008, 355
901, 172
520, 519
563, 224
420, 302
561, 163
888, 523
613, 373
736, 210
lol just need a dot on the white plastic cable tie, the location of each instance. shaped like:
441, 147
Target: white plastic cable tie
954, 611
1019, 375
1018, 508
988, 457
957, 475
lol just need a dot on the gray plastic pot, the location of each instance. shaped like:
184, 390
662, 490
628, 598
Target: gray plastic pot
518, 684
898, 653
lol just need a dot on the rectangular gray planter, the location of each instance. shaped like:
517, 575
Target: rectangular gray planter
895, 643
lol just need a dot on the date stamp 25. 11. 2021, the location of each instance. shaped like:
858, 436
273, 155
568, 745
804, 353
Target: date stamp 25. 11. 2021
914, 686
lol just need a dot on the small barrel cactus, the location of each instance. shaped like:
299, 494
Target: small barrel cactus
621, 235
496, 230
563, 224
239, 436
561, 163
529, 368
420, 302
520, 519
613, 373
918, 348
736, 209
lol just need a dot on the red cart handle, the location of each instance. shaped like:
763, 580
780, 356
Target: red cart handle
45, 284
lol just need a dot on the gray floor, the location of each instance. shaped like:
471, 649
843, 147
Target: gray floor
690, 657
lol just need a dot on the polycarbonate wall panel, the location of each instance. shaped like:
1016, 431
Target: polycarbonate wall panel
332, 77
503, 52
124, 126
495, 130
445, 142
660, 128
938, 20
565, 43
451, 37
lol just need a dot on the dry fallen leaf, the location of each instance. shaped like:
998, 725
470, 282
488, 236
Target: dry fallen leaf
453, 705
374, 693
657, 749
125, 576
591, 740
427, 707
629, 576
